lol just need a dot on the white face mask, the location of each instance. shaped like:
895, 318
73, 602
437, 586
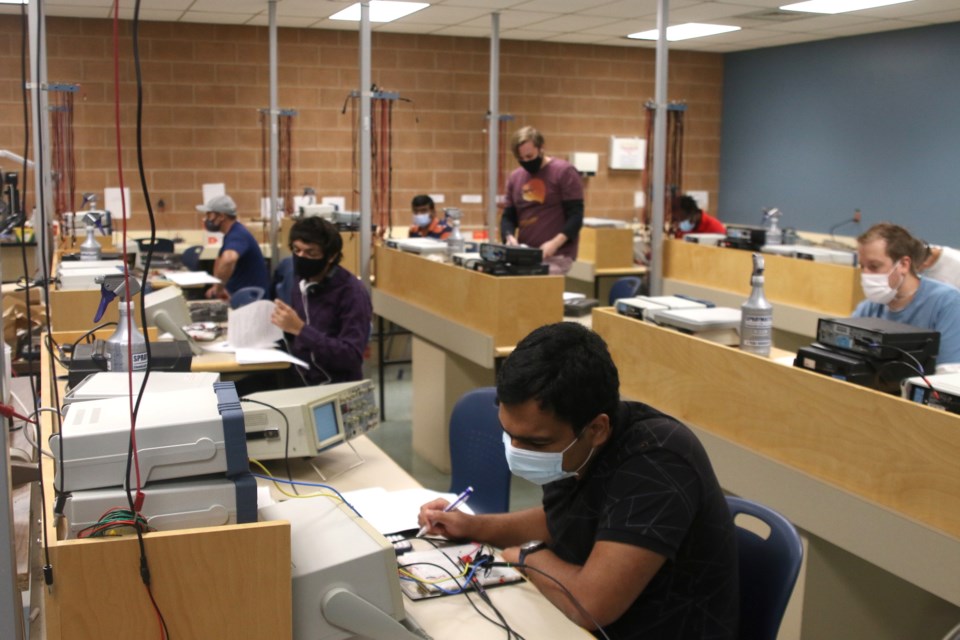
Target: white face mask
876, 286
539, 467
686, 225
421, 219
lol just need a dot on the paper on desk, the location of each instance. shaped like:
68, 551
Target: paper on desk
188, 278
261, 356
249, 327
569, 295
394, 511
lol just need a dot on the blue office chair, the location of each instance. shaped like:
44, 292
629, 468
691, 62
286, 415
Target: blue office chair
284, 280
245, 296
190, 258
625, 288
768, 569
476, 452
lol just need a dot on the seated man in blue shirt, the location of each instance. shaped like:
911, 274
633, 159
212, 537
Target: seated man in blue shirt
240, 263
633, 523
327, 322
889, 257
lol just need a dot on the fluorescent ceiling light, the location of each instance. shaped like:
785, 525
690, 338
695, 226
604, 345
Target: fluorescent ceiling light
13, 1
381, 10
685, 31
838, 6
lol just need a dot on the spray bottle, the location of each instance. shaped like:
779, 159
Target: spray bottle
756, 321
116, 351
455, 240
771, 217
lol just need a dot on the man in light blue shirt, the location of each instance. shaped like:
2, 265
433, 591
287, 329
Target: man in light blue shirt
889, 256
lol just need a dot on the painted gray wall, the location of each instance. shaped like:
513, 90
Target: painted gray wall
823, 128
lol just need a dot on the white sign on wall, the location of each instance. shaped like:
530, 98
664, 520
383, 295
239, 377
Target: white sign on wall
628, 153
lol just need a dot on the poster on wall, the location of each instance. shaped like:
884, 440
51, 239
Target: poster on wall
628, 153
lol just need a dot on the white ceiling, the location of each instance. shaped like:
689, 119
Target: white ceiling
604, 22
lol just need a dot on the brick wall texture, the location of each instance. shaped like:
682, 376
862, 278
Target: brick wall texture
203, 87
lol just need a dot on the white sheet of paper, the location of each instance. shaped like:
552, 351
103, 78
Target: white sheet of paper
265, 208
113, 203
249, 327
263, 356
186, 278
393, 511
212, 190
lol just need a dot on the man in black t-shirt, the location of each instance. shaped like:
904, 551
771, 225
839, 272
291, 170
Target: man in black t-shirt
633, 521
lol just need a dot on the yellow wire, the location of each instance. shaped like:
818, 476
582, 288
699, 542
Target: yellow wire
417, 578
323, 494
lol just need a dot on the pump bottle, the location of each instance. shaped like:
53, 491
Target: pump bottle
756, 321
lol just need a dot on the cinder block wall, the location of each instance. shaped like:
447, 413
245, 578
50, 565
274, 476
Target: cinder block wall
204, 85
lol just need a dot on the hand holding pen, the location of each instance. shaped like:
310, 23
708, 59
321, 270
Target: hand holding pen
460, 499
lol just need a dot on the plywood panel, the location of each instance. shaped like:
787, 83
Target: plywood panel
506, 308
829, 288
898, 454
606, 248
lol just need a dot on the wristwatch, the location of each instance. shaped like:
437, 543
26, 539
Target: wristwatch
530, 547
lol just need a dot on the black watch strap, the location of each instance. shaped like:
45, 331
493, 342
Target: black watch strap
528, 548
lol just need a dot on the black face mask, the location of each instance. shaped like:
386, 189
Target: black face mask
307, 268
211, 225
532, 166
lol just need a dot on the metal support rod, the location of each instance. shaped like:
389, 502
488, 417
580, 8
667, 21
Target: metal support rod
658, 192
366, 153
274, 138
40, 100
493, 128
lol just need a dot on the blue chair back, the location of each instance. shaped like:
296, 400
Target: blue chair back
284, 281
245, 295
768, 569
476, 452
190, 258
624, 288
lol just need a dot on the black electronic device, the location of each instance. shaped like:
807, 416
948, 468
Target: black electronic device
745, 236
880, 339
164, 356
579, 306
836, 364
507, 269
510, 254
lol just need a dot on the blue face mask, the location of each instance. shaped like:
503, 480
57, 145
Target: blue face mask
539, 467
687, 225
421, 219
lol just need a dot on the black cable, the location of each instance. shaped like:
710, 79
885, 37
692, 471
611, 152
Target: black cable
286, 444
144, 565
102, 325
576, 603
437, 544
44, 261
465, 592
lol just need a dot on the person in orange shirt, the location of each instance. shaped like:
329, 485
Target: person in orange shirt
426, 223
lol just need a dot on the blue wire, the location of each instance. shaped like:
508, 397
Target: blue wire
309, 484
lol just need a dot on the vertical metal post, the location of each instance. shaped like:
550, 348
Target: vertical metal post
658, 193
41, 131
366, 154
493, 128
274, 139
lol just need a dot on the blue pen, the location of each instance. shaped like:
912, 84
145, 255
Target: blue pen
461, 499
